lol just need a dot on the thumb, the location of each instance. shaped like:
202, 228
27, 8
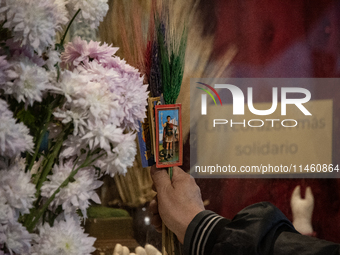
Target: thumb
296, 197
160, 178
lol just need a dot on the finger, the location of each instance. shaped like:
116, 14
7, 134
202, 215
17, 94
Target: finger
177, 172
140, 251
156, 221
160, 178
151, 250
118, 249
309, 195
179, 177
296, 193
153, 206
153, 187
126, 250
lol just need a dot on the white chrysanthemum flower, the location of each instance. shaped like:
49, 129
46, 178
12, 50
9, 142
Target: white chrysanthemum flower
4, 65
4, 111
71, 84
6, 211
122, 157
2, 235
14, 137
64, 238
102, 136
63, 216
28, 81
61, 6
76, 194
97, 100
92, 11
77, 116
53, 57
72, 146
34, 22
88, 98
17, 188
16, 238
133, 97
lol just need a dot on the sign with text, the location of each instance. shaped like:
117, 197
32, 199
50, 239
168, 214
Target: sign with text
287, 135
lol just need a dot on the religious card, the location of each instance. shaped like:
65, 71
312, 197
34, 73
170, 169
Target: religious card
169, 145
152, 102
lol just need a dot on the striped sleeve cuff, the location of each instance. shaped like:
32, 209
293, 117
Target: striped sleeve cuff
202, 232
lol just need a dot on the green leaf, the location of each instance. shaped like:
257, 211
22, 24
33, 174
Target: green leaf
27, 118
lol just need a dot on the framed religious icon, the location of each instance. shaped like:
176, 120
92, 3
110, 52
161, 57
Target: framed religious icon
152, 102
169, 145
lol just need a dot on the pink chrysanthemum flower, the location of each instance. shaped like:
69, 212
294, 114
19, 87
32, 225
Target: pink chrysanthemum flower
75, 52
100, 52
128, 87
120, 65
79, 51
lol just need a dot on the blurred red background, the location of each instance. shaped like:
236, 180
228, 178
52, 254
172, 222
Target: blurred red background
278, 38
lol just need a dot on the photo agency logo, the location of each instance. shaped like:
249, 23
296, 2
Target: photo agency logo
238, 105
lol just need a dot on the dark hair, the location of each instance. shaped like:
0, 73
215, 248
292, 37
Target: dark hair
168, 116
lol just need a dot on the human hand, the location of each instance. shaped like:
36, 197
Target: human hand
178, 200
302, 210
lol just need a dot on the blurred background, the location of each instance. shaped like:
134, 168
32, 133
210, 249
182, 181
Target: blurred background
231, 38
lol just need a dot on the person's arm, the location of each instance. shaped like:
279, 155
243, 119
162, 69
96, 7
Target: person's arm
258, 229
178, 201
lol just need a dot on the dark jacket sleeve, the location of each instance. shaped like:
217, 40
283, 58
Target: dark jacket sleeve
258, 229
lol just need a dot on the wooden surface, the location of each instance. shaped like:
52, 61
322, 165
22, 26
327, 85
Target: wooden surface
109, 232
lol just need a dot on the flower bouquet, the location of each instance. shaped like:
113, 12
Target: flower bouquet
68, 114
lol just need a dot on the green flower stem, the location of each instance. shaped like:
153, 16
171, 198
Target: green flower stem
46, 170
50, 162
43, 130
170, 172
68, 27
31, 226
38, 174
88, 161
